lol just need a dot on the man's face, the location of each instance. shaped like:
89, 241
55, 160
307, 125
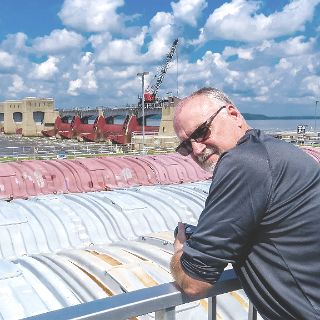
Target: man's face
193, 113
207, 159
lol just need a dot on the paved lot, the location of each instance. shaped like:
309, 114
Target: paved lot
17, 147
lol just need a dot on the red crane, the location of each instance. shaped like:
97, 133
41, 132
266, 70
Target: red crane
151, 92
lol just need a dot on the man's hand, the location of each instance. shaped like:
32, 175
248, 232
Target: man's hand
189, 285
180, 238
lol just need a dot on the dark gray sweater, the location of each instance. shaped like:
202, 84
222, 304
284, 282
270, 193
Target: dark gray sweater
263, 216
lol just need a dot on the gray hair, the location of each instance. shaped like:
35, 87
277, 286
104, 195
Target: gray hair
213, 93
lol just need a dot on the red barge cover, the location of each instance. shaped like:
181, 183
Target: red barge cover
23, 179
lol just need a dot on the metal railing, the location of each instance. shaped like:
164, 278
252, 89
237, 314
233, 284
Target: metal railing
147, 133
162, 300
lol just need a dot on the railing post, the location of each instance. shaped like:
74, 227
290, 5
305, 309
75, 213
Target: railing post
252, 314
166, 314
212, 308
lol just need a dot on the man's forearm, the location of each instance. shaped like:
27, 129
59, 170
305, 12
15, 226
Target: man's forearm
176, 269
189, 285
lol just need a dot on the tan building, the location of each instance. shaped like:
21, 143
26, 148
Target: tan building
166, 137
28, 116
166, 124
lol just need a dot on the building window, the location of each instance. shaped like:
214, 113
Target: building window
38, 117
1, 117
17, 117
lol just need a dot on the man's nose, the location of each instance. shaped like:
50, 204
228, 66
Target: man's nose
197, 147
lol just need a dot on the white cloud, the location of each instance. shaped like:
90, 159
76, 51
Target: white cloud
163, 32
293, 46
58, 41
188, 11
46, 70
118, 73
120, 82
99, 40
261, 98
121, 51
6, 60
270, 49
242, 53
283, 64
92, 16
240, 20
210, 70
15, 43
74, 85
86, 79
312, 85
17, 85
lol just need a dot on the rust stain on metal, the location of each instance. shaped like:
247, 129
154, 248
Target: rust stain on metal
109, 260
145, 278
238, 298
219, 316
108, 292
136, 255
204, 304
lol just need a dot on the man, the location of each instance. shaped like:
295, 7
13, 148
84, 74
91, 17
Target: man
262, 213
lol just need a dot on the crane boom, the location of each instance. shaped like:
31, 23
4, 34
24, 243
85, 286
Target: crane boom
151, 91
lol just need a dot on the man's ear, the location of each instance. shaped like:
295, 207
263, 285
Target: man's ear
233, 111
235, 114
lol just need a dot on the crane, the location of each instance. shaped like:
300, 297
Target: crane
151, 91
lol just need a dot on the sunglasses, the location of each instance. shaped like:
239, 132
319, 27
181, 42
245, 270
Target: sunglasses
198, 135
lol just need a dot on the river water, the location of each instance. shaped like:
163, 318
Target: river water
268, 125
284, 125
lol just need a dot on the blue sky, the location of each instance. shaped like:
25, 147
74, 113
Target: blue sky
264, 54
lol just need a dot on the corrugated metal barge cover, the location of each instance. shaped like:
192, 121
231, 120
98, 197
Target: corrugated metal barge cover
44, 282
53, 222
24, 179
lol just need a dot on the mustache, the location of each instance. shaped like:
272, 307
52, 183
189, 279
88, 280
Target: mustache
202, 159
206, 154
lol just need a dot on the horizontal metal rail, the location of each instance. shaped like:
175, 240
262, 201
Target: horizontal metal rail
160, 299
147, 133
44, 152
